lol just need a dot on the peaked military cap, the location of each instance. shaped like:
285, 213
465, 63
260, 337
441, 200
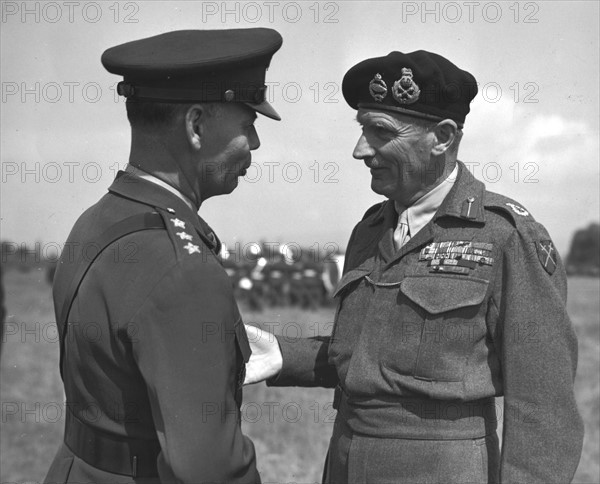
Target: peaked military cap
197, 66
420, 84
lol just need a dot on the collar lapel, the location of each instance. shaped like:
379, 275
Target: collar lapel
387, 217
466, 199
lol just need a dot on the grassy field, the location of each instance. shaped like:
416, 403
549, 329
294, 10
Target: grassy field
289, 426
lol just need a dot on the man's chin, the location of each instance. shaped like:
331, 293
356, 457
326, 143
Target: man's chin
381, 188
230, 186
223, 189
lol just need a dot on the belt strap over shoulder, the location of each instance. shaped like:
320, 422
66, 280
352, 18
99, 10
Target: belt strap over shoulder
135, 223
109, 452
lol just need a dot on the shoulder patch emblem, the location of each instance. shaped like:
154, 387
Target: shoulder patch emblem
547, 255
518, 210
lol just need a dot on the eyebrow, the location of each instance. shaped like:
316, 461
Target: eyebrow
365, 120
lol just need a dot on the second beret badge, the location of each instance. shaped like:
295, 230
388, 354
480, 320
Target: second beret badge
405, 90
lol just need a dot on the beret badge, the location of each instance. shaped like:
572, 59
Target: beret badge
405, 90
378, 88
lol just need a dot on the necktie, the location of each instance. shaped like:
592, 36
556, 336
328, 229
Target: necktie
402, 232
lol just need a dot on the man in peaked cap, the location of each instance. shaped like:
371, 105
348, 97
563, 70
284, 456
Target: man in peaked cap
451, 295
153, 350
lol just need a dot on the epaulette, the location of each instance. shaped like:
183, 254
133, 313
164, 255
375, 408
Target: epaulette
513, 211
539, 245
185, 240
374, 209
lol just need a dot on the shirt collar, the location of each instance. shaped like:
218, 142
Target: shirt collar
157, 181
422, 211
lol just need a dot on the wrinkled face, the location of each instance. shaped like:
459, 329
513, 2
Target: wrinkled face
398, 153
228, 137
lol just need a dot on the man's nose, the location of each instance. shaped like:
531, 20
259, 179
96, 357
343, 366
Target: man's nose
253, 139
363, 149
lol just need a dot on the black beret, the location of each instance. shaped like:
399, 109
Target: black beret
419, 84
197, 66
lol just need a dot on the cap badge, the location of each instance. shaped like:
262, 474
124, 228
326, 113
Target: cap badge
378, 88
405, 91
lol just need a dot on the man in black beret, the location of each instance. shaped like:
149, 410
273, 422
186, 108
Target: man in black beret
451, 296
152, 345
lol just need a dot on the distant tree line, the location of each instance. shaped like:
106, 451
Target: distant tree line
584, 256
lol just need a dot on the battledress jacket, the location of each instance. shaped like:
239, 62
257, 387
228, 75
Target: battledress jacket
155, 352
425, 337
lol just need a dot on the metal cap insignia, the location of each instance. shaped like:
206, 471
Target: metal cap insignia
405, 90
378, 88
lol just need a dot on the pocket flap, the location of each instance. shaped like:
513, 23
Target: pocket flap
438, 294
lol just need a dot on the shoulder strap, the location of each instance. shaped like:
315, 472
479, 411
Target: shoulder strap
135, 223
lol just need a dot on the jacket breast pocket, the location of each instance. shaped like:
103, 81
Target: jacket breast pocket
451, 317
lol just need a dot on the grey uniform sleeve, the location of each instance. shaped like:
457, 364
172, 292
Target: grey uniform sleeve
305, 363
543, 431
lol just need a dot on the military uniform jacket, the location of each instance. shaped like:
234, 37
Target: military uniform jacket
472, 307
155, 350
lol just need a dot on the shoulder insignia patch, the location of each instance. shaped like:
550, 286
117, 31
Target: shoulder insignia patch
547, 255
518, 210
517, 214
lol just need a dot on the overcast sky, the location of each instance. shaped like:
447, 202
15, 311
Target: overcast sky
532, 133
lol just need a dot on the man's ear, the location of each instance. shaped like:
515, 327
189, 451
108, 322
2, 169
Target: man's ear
194, 125
445, 133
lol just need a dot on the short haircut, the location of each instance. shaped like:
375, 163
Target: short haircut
153, 115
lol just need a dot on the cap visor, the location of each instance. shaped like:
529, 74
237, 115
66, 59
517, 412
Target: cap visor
266, 109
